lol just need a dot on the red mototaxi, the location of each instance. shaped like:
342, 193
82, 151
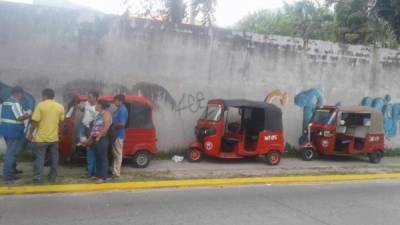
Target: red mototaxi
140, 140
258, 130
345, 131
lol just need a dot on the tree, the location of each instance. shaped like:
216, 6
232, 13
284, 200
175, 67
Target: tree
203, 8
175, 11
312, 20
268, 22
351, 22
356, 22
305, 19
389, 10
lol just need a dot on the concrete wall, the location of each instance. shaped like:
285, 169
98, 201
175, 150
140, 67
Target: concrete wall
180, 67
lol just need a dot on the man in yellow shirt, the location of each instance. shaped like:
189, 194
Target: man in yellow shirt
46, 121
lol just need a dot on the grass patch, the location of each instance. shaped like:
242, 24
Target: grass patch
290, 151
392, 152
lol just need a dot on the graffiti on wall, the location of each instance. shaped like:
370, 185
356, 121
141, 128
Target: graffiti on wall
309, 100
193, 102
189, 101
281, 96
390, 112
156, 93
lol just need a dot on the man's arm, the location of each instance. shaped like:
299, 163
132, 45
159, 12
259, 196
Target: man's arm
34, 125
24, 117
16, 108
36, 117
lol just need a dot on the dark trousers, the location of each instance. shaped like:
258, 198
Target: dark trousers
40, 154
14, 146
101, 151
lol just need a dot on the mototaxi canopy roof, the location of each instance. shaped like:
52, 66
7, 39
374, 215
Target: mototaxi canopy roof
272, 113
376, 125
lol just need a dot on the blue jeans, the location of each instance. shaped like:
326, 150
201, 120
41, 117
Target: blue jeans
81, 132
91, 161
90, 155
101, 150
14, 146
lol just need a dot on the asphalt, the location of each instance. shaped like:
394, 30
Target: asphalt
361, 203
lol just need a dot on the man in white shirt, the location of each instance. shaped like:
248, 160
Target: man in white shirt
89, 114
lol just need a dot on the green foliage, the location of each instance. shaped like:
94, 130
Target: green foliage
268, 22
290, 151
303, 19
392, 152
389, 10
349, 21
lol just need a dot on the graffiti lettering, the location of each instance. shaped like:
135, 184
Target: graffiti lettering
308, 100
390, 112
192, 102
282, 96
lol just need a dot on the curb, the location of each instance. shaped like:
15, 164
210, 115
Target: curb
76, 188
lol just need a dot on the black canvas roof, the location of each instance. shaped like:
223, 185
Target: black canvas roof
250, 104
272, 113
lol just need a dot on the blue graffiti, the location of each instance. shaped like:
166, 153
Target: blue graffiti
309, 100
27, 103
390, 112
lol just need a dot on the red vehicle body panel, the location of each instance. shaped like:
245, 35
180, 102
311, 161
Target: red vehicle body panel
135, 139
212, 145
326, 145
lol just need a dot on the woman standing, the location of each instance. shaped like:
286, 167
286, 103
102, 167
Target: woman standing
100, 140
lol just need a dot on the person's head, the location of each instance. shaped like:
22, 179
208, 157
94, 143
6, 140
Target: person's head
93, 96
48, 94
101, 106
17, 92
119, 100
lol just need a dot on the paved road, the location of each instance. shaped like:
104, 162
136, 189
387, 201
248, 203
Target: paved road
364, 203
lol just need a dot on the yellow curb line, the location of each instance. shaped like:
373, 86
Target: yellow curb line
68, 188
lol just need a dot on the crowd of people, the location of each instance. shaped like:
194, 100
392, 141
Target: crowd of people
42, 131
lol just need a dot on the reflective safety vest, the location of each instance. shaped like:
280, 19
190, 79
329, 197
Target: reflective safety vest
10, 127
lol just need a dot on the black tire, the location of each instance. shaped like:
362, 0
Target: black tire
375, 157
141, 159
308, 154
194, 155
273, 158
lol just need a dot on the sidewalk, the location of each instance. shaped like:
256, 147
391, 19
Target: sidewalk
214, 168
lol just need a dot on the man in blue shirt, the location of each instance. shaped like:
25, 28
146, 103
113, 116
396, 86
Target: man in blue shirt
12, 129
120, 119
